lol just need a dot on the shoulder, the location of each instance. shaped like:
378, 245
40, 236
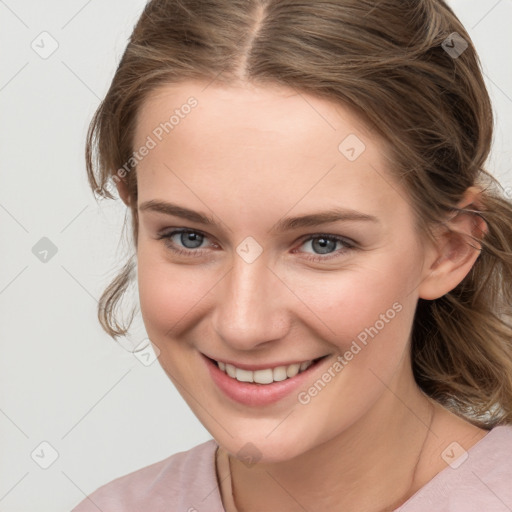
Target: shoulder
479, 479
185, 481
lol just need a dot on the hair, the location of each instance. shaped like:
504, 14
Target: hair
387, 61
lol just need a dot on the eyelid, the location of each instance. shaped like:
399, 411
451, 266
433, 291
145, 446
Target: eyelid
331, 236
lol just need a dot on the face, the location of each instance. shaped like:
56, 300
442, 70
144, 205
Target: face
247, 286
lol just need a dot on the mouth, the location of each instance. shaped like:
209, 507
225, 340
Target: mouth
274, 373
263, 386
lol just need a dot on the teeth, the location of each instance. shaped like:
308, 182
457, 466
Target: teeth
231, 370
263, 376
293, 369
266, 376
244, 375
279, 373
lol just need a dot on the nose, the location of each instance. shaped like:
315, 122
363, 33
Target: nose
251, 306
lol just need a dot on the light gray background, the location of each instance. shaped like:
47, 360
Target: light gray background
63, 381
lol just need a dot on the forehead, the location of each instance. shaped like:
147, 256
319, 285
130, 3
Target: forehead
262, 110
263, 143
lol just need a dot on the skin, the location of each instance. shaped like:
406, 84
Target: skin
249, 156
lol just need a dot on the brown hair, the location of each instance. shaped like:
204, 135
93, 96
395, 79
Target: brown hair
390, 61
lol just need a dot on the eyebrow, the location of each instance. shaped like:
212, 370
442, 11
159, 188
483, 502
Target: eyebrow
285, 224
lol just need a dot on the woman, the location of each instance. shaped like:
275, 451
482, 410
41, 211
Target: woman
323, 263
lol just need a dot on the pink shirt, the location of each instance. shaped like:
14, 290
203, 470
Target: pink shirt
187, 482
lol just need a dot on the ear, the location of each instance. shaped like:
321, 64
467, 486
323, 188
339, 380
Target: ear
456, 249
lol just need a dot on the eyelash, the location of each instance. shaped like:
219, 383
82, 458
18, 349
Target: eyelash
192, 253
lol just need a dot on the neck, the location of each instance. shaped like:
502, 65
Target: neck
369, 467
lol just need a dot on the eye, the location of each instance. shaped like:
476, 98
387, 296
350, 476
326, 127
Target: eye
325, 244
189, 239
188, 242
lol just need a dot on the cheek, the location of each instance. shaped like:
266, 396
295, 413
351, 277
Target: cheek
170, 295
363, 305
367, 319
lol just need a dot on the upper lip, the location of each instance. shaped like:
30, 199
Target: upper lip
262, 366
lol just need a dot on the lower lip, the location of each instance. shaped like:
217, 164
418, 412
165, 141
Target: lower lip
254, 394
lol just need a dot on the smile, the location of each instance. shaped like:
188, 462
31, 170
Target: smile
267, 375
262, 386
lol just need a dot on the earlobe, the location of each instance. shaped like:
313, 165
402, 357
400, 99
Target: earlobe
457, 248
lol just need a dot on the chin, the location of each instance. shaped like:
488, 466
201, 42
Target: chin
263, 449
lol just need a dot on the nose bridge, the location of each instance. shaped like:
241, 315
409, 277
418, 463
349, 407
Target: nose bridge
250, 308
